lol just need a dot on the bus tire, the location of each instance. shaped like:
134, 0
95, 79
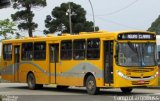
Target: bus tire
40, 86
62, 87
126, 89
31, 81
91, 87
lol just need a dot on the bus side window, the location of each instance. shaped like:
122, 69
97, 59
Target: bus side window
79, 47
93, 49
66, 50
39, 50
27, 51
7, 52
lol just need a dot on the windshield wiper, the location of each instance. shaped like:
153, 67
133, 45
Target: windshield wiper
141, 48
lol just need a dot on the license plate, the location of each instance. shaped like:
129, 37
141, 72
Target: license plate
141, 82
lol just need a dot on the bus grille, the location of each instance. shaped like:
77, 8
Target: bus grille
140, 77
141, 70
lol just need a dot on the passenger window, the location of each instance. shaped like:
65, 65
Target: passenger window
93, 49
79, 47
39, 50
27, 51
66, 50
7, 52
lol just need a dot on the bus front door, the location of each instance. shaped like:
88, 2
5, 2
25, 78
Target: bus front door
16, 62
54, 59
108, 62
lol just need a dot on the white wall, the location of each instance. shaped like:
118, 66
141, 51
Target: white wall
158, 47
158, 42
158, 39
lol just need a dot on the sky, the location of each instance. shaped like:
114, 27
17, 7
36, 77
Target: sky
110, 15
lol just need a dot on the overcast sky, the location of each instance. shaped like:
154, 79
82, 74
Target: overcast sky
111, 15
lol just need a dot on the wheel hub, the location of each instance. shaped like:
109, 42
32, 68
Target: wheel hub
90, 85
31, 81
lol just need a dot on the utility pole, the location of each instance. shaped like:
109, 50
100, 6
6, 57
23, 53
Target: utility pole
70, 13
93, 15
70, 22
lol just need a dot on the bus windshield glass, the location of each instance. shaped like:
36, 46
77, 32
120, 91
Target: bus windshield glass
136, 54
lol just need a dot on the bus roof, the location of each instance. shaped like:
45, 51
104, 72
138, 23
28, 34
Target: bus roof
81, 35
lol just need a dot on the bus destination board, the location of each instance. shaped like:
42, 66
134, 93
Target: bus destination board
136, 36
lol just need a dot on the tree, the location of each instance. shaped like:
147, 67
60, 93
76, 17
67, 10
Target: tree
59, 21
155, 27
6, 27
25, 16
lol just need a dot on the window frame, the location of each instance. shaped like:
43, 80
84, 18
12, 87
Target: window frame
4, 58
71, 57
40, 50
98, 49
27, 59
83, 50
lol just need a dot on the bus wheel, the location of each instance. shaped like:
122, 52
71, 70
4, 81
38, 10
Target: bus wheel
91, 85
39, 86
126, 90
32, 82
62, 87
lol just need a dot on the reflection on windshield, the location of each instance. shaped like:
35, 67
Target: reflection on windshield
136, 54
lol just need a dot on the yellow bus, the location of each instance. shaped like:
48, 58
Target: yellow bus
93, 60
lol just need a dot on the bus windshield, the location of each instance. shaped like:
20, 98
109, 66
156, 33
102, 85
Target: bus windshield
136, 54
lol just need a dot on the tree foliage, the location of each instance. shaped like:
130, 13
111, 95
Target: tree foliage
25, 16
155, 27
59, 21
6, 27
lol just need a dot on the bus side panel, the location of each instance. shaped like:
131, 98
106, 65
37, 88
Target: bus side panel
69, 81
8, 77
76, 81
72, 72
37, 68
66, 76
159, 75
7, 71
43, 75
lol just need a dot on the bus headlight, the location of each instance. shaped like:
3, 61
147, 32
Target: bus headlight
122, 75
156, 74
135, 79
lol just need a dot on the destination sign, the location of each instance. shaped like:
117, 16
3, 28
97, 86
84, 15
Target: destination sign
136, 36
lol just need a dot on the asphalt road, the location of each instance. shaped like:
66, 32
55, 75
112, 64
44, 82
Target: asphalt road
20, 92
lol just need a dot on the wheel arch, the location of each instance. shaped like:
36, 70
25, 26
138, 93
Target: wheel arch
86, 76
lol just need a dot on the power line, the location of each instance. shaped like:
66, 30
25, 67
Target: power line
119, 10
117, 23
